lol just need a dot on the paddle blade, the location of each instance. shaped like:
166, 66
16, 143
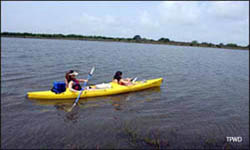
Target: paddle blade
92, 70
133, 81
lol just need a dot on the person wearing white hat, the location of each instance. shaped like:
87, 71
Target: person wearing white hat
72, 83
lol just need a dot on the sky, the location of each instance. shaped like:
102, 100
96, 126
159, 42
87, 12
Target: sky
213, 22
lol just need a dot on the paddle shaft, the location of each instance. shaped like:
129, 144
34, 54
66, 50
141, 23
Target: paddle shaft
85, 84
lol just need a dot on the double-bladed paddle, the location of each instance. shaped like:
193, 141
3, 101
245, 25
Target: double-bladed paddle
84, 85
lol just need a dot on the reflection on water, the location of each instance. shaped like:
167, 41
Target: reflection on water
64, 107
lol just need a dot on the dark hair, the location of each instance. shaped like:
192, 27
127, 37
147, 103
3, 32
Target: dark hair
118, 76
69, 77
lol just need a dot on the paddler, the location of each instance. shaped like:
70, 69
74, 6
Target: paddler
72, 83
118, 79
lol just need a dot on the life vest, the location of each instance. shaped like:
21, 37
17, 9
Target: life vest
121, 83
76, 85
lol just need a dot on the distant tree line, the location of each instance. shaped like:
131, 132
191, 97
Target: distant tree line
136, 38
38, 35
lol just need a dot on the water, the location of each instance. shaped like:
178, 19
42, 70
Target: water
203, 99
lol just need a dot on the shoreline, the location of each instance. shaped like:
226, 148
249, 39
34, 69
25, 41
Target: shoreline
171, 43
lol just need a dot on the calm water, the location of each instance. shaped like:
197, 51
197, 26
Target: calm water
203, 99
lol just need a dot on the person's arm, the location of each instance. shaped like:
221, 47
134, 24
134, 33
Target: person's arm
128, 79
115, 80
82, 80
125, 82
66, 82
71, 87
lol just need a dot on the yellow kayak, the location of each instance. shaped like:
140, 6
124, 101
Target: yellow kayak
115, 89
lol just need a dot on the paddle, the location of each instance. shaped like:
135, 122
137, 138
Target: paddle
133, 80
85, 84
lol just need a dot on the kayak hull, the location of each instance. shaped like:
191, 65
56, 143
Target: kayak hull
115, 89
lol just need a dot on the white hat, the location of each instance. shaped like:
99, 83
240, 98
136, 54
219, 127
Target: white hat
74, 73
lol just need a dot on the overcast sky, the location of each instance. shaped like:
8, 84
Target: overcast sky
216, 21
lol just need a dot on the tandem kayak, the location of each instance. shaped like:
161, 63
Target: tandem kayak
115, 89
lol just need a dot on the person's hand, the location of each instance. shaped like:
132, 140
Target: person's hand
128, 79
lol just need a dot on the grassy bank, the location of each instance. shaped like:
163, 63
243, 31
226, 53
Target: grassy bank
135, 39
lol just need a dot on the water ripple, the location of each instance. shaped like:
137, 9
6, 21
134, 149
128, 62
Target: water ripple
205, 94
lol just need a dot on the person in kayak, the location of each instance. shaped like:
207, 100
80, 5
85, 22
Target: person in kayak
72, 83
118, 79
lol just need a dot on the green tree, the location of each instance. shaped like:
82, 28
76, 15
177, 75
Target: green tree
210, 44
137, 37
204, 43
232, 45
164, 40
221, 44
195, 42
